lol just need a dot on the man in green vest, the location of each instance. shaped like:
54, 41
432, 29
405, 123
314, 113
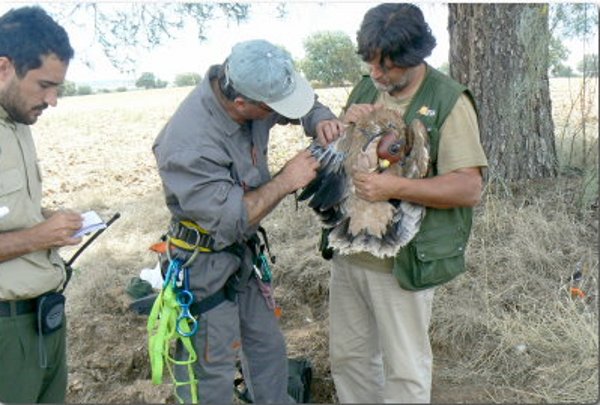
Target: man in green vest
34, 57
380, 309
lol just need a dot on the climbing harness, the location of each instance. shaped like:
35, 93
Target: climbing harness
189, 236
170, 321
173, 318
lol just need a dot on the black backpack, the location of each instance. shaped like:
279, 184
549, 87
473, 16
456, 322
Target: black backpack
299, 380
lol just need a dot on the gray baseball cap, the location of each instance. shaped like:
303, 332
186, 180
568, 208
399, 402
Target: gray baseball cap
264, 72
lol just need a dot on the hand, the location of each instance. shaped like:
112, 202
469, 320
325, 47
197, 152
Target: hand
299, 170
357, 111
374, 186
328, 131
58, 229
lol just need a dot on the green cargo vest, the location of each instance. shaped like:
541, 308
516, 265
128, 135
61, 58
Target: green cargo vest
437, 253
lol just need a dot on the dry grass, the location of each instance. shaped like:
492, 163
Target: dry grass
507, 331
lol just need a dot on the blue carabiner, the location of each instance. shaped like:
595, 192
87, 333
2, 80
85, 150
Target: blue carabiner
185, 298
172, 272
187, 316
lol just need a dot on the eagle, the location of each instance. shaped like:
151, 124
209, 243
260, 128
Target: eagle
379, 141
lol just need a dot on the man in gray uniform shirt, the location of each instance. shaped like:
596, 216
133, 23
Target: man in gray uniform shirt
212, 159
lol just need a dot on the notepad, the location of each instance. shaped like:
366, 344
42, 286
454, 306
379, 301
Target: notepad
91, 223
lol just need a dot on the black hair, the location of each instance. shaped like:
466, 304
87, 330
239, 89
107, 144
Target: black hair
398, 31
27, 34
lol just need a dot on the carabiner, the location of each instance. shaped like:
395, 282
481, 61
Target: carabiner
184, 298
192, 257
195, 252
187, 317
265, 269
172, 272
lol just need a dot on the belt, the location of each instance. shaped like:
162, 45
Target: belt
228, 292
14, 308
188, 235
208, 303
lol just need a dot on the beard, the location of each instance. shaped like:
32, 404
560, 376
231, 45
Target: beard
16, 107
382, 87
394, 88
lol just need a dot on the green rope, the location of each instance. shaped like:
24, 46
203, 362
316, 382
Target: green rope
162, 332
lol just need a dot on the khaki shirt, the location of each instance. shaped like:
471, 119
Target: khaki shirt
32, 274
460, 146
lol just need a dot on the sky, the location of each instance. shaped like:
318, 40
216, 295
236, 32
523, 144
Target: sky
188, 54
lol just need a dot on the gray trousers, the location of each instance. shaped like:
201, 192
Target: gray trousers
246, 324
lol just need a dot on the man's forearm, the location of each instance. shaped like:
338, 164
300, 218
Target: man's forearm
455, 189
17, 243
264, 199
47, 213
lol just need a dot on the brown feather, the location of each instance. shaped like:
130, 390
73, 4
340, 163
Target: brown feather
380, 228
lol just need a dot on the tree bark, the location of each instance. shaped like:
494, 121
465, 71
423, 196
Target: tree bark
500, 51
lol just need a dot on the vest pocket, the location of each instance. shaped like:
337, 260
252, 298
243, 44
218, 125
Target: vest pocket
430, 261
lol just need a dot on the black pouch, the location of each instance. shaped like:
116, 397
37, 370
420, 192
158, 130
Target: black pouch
50, 313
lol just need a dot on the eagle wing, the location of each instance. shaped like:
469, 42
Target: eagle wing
380, 141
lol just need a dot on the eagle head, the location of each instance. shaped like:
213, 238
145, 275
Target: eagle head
391, 149
386, 129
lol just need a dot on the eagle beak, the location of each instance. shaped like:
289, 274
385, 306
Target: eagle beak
383, 164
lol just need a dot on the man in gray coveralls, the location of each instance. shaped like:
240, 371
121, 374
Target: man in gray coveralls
212, 159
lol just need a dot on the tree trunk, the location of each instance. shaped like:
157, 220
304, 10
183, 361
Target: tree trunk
500, 51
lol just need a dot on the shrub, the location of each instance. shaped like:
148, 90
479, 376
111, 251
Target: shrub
187, 79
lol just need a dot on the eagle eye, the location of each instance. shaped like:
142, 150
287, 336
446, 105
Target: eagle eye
394, 148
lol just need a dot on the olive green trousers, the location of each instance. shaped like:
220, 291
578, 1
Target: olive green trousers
33, 369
